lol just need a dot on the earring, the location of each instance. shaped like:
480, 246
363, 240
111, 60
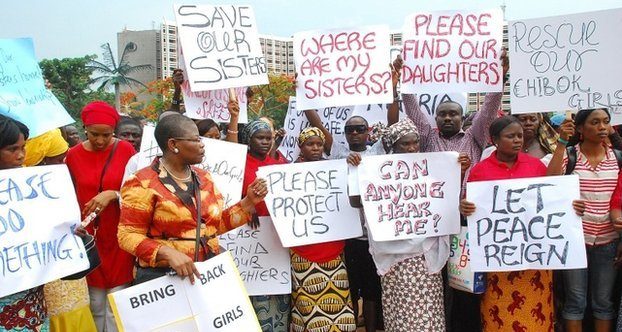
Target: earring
176, 150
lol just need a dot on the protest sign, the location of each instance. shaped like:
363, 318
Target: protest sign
216, 302
377, 113
225, 161
341, 67
221, 46
38, 215
333, 119
309, 203
263, 263
149, 148
213, 104
459, 273
412, 195
452, 51
566, 62
23, 95
523, 224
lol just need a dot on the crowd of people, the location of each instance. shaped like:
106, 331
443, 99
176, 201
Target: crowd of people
168, 216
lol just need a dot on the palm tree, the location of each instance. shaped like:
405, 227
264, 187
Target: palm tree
116, 75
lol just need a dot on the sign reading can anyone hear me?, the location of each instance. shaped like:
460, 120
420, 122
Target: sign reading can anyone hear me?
524, 224
216, 302
38, 215
309, 203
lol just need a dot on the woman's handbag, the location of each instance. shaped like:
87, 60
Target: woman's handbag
91, 253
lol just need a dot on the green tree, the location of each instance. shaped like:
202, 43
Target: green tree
116, 74
69, 79
271, 100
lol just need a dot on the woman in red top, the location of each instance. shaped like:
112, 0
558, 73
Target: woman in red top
321, 291
97, 166
499, 309
272, 310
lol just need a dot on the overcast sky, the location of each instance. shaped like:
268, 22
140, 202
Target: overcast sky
72, 28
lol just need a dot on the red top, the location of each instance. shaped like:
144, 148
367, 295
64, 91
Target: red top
252, 165
85, 168
490, 168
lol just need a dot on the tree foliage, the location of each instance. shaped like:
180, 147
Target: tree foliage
69, 79
271, 100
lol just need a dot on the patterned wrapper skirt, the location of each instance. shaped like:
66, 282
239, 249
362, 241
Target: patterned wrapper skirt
412, 299
518, 301
24, 311
272, 312
321, 296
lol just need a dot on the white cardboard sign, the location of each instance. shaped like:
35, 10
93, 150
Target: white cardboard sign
411, 195
309, 203
263, 263
452, 51
523, 224
341, 67
566, 62
221, 46
38, 215
216, 302
226, 162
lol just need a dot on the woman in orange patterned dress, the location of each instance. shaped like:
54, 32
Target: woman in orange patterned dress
158, 211
517, 300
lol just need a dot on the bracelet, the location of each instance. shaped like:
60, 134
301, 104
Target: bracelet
232, 131
118, 196
175, 101
563, 141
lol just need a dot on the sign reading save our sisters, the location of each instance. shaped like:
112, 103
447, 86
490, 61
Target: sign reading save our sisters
343, 67
566, 62
216, 302
263, 263
412, 195
522, 224
309, 203
38, 215
452, 51
23, 95
221, 46
212, 104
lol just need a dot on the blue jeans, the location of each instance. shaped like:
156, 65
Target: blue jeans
600, 280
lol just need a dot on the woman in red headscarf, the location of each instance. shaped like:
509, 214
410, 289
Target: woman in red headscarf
97, 166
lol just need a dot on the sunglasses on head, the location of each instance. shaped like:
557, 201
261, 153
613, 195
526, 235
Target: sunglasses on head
351, 129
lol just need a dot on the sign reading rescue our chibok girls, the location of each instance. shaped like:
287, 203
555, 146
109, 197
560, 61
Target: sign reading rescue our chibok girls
263, 263
452, 51
216, 302
342, 67
221, 46
225, 161
38, 215
23, 95
527, 223
567, 62
411, 195
309, 202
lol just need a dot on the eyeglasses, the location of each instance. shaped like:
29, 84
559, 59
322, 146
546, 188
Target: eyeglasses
195, 140
359, 129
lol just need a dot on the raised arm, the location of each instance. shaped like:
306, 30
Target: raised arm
315, 121
556, 165
393, 114
178, 80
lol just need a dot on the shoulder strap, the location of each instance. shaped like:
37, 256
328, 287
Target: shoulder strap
101, 177
197, 198
571, 153
618, 155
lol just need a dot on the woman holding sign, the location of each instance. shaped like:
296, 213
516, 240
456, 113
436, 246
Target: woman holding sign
272, 311
160, 204
321, 291
582, 150
26, 310
412, 286
97, 166
521, 300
